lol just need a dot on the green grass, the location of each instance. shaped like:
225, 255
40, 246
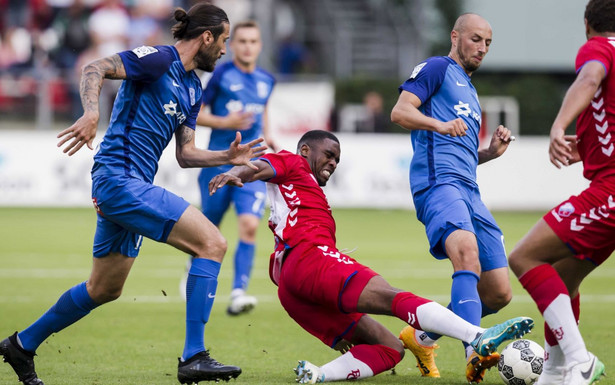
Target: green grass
137, 339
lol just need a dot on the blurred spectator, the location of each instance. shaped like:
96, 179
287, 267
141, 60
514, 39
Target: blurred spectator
15, 48
292, 56
109, 25
71, 27
375, 120
147, 20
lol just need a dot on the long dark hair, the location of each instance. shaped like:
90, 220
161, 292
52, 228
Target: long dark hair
200, 18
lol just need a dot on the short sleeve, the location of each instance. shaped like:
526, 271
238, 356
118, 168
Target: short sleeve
147, 64
281, 163
191, 119
595, 50
426, 78
212, 88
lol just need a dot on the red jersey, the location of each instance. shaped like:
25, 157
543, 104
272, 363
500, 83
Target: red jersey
596, 124
300, 212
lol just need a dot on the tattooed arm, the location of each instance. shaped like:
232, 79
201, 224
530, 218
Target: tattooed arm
84, 130
188, 155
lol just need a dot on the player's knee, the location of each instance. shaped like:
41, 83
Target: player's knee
497, 299
214, 247
515, 261
102, 295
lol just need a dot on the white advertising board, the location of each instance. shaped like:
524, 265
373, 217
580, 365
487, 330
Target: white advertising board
373, 173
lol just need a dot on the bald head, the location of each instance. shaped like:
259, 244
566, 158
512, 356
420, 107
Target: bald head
470, 20
470, 40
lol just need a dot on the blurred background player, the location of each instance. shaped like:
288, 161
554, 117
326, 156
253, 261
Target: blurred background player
577, 235
159, 97
328, 292
235, 98
439, 104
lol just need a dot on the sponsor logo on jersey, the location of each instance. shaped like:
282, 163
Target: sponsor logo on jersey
461, 84
417, 69
262, 89
171, 109
144, 50
465, 110
236, 87
192, 93
237, 105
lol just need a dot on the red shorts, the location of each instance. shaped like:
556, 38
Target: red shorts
314, 282
586, 223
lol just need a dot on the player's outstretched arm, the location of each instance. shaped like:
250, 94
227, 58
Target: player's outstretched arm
188, 155
406, 114
238, 175
499, 144
235, 120
83, 131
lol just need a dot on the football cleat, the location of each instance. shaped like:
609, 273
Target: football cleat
308, 373
425, 355
478, 365
21, 360
550, 376
584, 373
201, 367
488, 341
240, 303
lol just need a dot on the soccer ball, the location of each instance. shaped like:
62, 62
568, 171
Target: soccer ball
521, 362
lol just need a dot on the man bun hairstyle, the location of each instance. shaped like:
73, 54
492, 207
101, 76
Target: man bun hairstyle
200, 18
600, 15
315, 136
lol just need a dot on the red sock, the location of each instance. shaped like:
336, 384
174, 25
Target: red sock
404, 307
544, 285
378, 357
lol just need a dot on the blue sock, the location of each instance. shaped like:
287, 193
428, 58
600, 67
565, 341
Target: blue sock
465, 301
73, 305
244, 259
200, 294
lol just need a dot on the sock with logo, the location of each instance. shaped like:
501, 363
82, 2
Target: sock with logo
465, 301
73, 305
244, 259
200, 293
551, 296
361, 361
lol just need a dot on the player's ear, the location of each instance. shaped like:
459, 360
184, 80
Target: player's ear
208, 38
304, 150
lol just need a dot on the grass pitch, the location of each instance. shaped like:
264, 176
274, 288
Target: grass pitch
137, 339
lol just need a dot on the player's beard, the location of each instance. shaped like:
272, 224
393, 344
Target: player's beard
206, 58
467, 64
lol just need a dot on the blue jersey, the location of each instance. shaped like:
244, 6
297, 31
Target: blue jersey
157, 97
446, 93
231, 90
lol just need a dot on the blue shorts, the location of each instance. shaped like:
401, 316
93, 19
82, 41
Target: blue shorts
249, 199
128, 209
445, 208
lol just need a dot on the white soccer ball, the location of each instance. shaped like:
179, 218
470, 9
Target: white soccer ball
521, 362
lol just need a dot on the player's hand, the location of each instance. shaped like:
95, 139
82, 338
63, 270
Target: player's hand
500, 140
562, 148
221, 180
455, 127
240, 154
81, 132
239, 120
